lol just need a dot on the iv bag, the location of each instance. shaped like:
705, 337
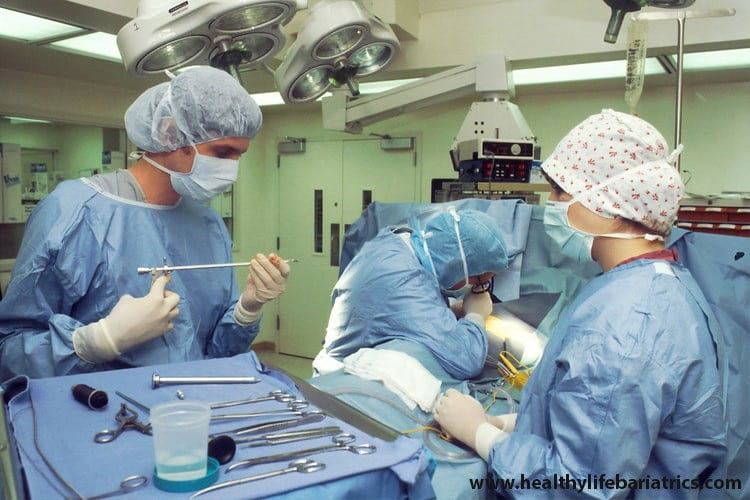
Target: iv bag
636, 62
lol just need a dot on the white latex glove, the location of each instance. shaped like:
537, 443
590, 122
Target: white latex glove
460, 416
130, 323
266, 280
477, 307
505, 422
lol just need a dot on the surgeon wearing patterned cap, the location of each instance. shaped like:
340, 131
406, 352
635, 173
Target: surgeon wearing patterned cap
75, 303
632, 381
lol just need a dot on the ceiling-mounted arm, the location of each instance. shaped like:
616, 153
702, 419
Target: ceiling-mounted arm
488, 77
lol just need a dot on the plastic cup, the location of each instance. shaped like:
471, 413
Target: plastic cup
180, 430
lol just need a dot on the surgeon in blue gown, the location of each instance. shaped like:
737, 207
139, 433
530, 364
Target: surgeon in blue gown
75, 303
397, 286
633, 379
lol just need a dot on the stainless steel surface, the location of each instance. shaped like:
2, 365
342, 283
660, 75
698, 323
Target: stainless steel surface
158, 381
303, 466
133, 401
288, 437
169, 269
341, 442
293, 408
276, 395
310, 417
126, 486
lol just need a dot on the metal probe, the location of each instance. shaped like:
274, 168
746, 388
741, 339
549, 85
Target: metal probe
157, 380
169, 269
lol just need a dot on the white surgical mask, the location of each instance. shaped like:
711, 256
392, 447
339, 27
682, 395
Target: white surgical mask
573, 242
207, 179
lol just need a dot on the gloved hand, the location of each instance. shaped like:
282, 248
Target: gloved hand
505, 422
460, 416
130, 323
266, 280
479, 304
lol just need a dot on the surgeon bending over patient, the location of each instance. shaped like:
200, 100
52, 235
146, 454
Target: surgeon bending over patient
632, 380
397, 286
75, 303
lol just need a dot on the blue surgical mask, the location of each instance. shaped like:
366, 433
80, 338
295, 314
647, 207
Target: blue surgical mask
209, 177
572, 242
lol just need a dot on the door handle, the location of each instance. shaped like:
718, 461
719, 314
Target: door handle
335, 244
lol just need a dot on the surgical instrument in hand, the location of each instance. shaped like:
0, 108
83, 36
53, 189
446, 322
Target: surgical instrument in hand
126, 486
304, 465
341, 442
294, 408
288, 437
133, 401
168, 269
128, 419
276, 395
157, 381
310, 417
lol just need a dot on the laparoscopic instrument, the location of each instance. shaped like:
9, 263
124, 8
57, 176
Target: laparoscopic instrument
168, 269
157, 380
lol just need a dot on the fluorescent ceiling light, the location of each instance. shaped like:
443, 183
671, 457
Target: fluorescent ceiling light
268, 99
17, 119
580, 72
32, 28
719, 59
97, 44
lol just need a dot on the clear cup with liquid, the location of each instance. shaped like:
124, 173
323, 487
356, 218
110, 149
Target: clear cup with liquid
180, 430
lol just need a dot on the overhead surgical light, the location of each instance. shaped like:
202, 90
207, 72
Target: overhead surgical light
340, 41
169, 34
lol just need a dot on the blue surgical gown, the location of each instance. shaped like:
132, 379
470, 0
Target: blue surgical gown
385, 293
631, 383
79, 255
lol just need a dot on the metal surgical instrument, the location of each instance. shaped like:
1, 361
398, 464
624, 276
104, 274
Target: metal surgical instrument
288, 437
133, 401
341, 442
169, 269
294, 408
304, 465
276, 395
157, 380
126, 486
309, 417
128, 419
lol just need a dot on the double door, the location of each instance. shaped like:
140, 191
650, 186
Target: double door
321, 192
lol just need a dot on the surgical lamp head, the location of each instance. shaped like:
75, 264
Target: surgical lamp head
622, 7
341, 41
169, 34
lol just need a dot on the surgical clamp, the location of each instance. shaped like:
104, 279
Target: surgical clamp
309, 417
295, 408
126, 486
128, 419
341, 442
276, 395
157, 380
288, 437
304, 465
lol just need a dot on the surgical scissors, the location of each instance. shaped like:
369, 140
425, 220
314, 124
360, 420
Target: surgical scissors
128, 419
305, 465
127, 485
276, 395
294, 408
341, 442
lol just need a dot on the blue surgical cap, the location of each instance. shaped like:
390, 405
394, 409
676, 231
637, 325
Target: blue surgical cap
199, 105
482, 242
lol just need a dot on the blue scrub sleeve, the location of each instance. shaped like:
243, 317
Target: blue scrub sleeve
605, 415
229, 338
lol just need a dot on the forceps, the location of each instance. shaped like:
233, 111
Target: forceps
127, 485
295, 408
308, 417
305, 465
341, 442
277, 395
128, 419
